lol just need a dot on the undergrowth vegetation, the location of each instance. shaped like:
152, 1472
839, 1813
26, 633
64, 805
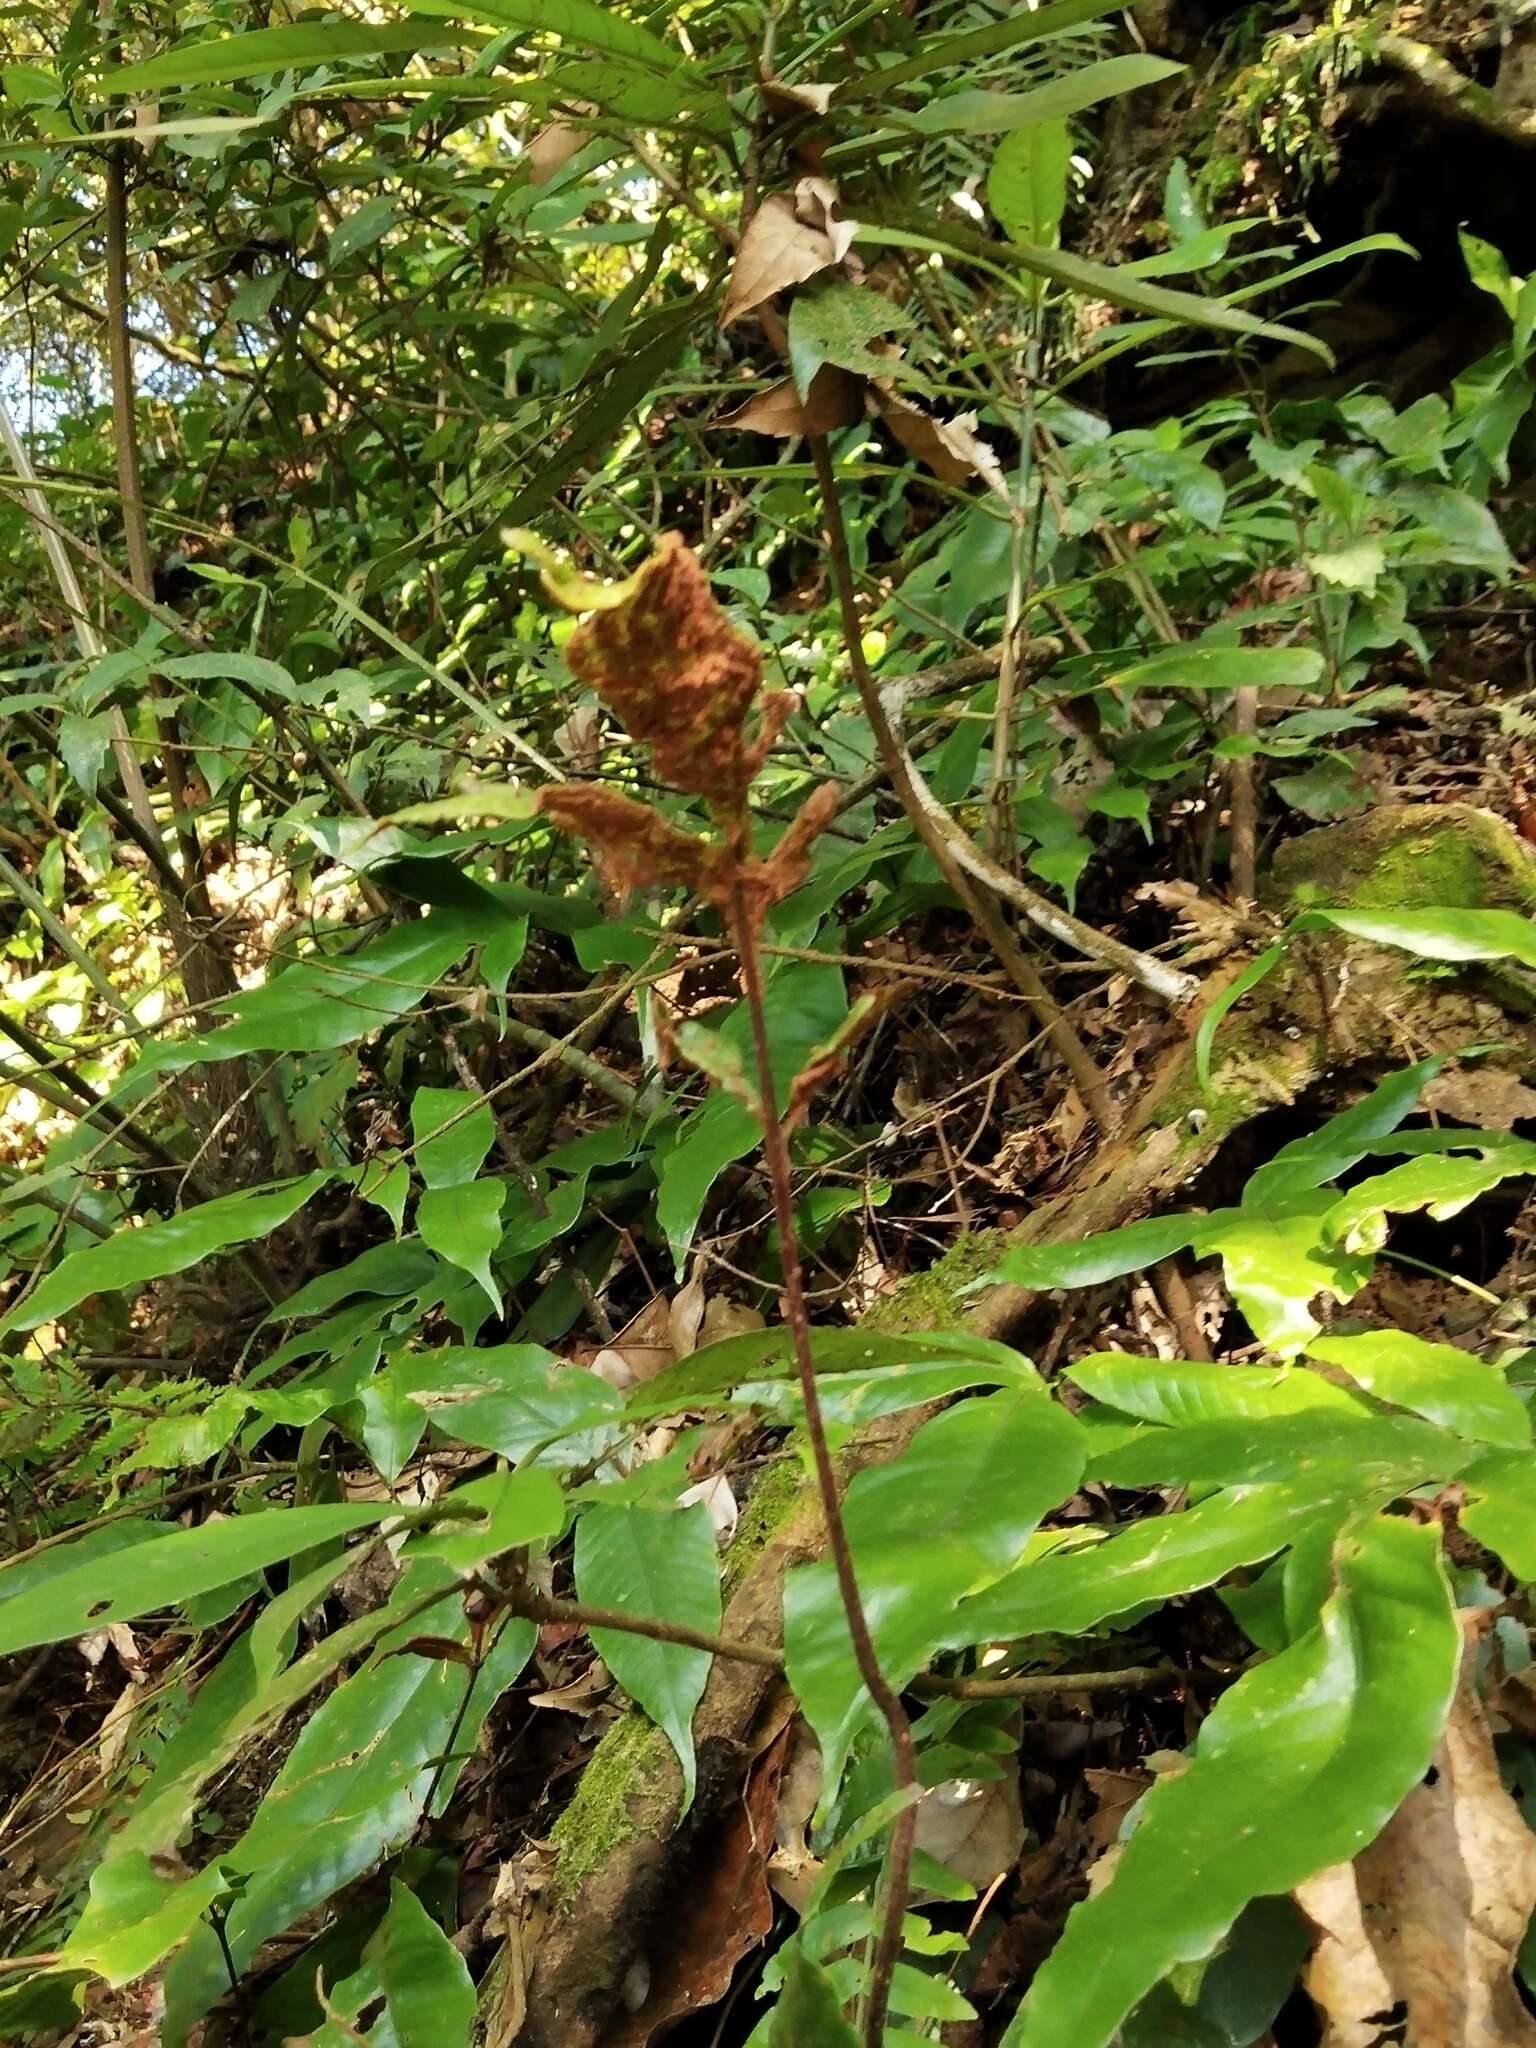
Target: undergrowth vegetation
767, 1101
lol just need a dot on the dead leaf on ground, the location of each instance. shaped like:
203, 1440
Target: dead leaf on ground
1490, 1097
836, 399
1212, 926
1429, 1919
717, 1496
791, 237
685, 1317
792, 1868
725, 1913
974, 1826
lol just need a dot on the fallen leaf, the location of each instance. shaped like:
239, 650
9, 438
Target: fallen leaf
788, 239
1427, 1921
717, 1496
724, 1913
685, 1318
1491, 1097
836, 400
974, 1827
726, 1318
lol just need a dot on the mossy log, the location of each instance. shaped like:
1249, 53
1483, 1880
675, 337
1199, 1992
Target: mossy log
1336, 1011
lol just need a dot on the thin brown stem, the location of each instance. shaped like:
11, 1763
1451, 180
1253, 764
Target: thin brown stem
1245, 718
903, 1749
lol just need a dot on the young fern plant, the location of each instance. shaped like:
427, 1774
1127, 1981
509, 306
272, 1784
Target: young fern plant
661, 654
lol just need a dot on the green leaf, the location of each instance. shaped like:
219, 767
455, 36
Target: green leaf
996, 113
1027, 184
947, 1518
1070, 1591
1342, 1142
83, 744
1299, 1766
1400, 1449
428, 1991
463, 1226
1448, 1386
130, 1258
297, 47
319, 1005
809, 2013
1436, 934
1443, 1186
1180, 1390
1096, 1259
943, 53
370, 1764
837, 325
644, 1563
1277, 1261
362, 227
453, 1130
229, 665
1500, 1510
1217, 1008
1223, 668
510, 1398
580, 25
174, 1569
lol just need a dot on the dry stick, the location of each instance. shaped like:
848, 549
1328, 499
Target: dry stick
545, 1608
903, 1749
982, 911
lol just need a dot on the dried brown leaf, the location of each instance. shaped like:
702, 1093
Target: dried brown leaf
786, 100
634, 847
952, 449
1427, 1921
788, 239
553, 146
1490, 1097
836, 399
974, 1827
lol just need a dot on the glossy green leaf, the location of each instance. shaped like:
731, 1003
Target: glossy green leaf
510, 1398
428, 1993
1500, 1509
1027, 182
1437, 934
1245, 1451
948, 1517
1448, 1386
1277, 1261
644, 1563
176, 1568
1096, 1259
1443, 1186
131, 1258
453, 1130
839, 1355
1342, 1142
1223, 668
296, 46
1299, 1766
463, 1226
809, 2012
1182, 1390
1067, 1592
978, 112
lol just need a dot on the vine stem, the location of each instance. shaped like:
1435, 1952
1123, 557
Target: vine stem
903, 1749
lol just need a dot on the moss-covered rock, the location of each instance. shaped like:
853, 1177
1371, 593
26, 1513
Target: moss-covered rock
1407, 857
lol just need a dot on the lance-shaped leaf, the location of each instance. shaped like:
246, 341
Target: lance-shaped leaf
1184, 1390
1299, 1766
1448, 1386
664, 1565
296, 46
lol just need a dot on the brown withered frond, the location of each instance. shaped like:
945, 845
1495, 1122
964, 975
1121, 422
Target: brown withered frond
669, 663
634, 847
